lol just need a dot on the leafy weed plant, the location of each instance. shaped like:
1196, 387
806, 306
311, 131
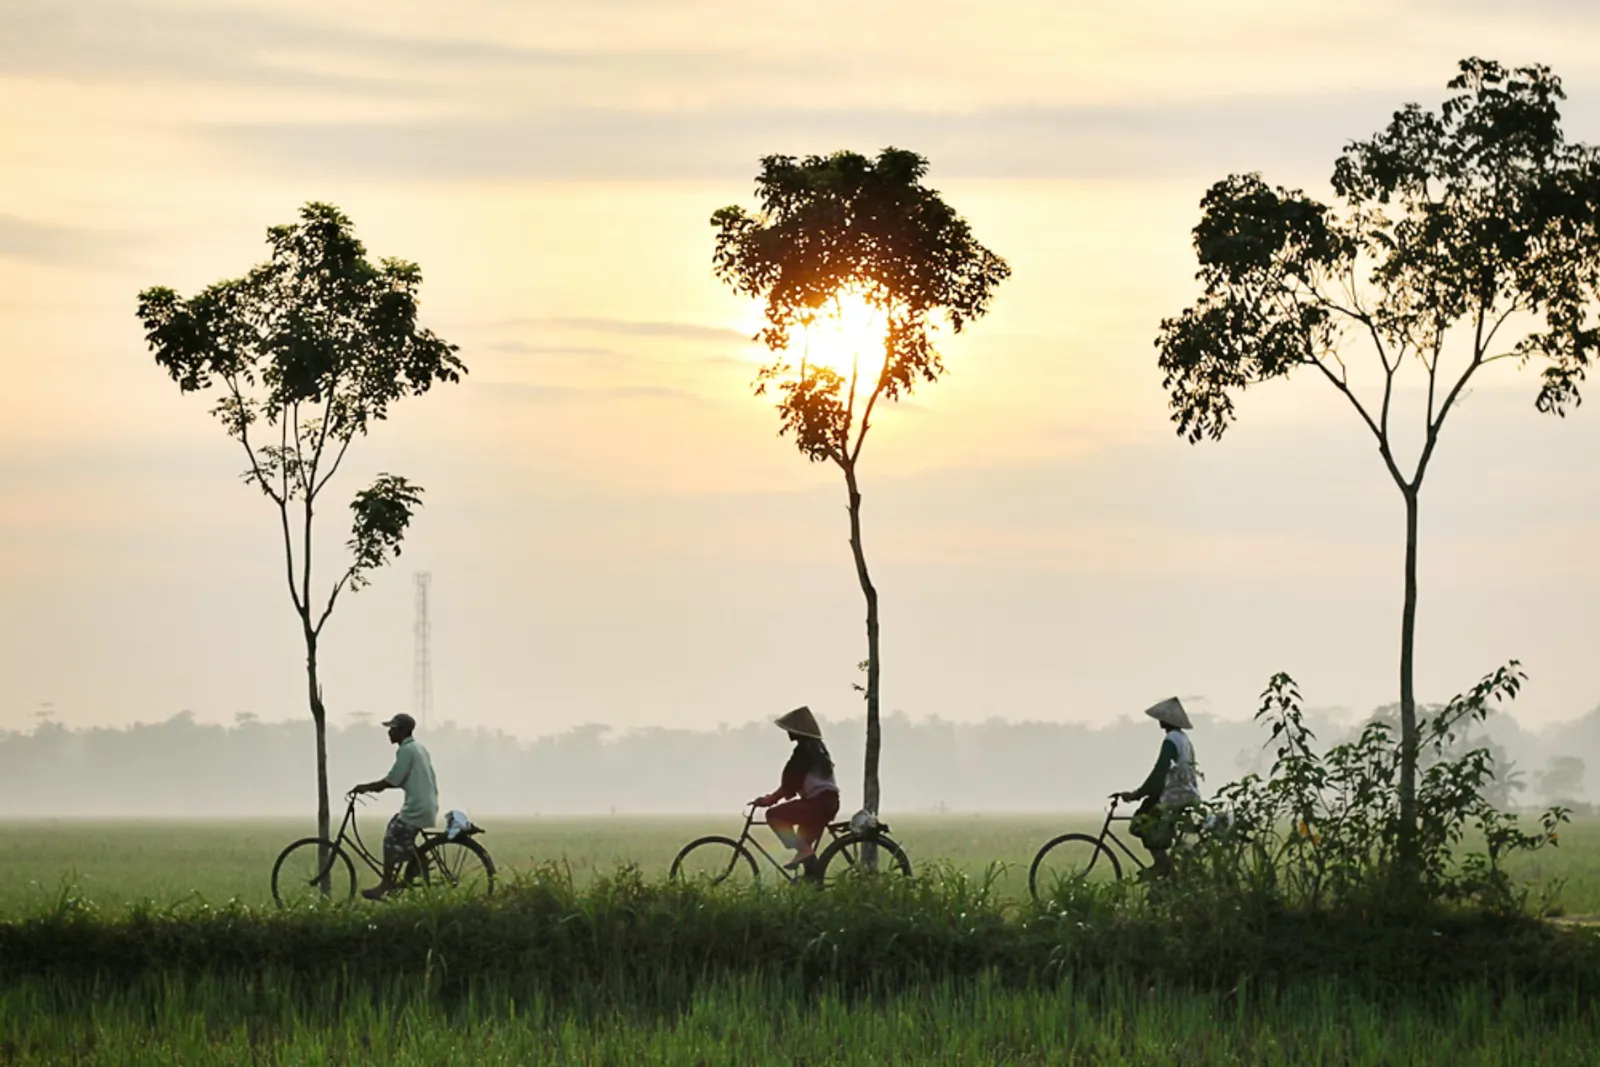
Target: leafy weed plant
1321, 830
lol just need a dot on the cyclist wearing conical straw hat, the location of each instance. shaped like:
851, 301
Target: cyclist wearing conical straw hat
1172, 785
808, 776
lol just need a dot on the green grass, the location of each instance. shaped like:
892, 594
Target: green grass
626, 938
779, 1021
115, 863
573, 964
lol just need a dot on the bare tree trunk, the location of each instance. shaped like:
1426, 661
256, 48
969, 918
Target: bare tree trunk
319, 719
869, 791
1407, 845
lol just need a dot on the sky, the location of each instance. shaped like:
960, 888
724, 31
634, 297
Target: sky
615, 531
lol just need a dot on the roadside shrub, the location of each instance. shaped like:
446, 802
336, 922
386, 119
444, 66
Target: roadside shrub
650, 945
1320, 830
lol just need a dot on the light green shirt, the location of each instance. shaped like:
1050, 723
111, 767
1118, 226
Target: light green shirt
413, 772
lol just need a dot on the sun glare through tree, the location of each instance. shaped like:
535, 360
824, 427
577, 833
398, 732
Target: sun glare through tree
846, 336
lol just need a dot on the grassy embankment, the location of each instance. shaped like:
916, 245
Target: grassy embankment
627, 970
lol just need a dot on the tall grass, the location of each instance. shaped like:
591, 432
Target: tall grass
652, 942
941, 968
782, 1019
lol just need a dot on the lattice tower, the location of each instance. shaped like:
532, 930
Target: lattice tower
422, 665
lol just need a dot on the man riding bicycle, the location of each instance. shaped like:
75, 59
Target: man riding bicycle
413, 772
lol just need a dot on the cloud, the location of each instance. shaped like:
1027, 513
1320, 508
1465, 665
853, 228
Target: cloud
523, 348
481, 126
534, 393
566, 340
1206, 136
680, 331
117, 41
1567, 11
52, 245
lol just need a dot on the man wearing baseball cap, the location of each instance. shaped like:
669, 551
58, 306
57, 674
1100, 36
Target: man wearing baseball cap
413, 772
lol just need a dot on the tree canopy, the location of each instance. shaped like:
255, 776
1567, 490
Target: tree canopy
846, 224
1466, 217
304, 353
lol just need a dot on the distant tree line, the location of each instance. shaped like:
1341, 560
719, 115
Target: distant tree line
186, 768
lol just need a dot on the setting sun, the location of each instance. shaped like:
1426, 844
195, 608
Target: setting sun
847, 336
847, 333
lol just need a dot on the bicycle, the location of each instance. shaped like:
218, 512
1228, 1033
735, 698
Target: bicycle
302, 868
1074, 857
715, 859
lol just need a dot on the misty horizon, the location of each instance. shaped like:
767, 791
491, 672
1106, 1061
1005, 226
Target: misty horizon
182, 768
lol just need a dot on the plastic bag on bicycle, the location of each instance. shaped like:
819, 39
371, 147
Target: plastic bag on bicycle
456, 823
863, 821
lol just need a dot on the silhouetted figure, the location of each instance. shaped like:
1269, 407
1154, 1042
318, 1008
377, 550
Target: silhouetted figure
809, 776
1171, 786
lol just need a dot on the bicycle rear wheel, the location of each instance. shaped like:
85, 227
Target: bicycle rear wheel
460, 865
843, 860
1075, 859
715, 861
303, 865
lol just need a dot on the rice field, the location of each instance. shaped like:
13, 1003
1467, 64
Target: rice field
116, 863
589, 971
1110, 1024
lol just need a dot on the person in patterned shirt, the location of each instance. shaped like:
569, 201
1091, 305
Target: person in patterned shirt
412, 772
1171, 786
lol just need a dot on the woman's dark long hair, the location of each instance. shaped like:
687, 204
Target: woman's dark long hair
811, 755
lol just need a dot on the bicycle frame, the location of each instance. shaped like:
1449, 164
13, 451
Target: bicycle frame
1107, 832
747, 838
357, 846
349, 839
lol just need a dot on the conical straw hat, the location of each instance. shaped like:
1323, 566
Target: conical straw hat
1170, 713
801, 721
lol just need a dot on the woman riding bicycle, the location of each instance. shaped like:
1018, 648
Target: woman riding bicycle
809, 776
1171, 786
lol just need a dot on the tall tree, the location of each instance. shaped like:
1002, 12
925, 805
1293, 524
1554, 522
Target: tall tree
840, 228
303, 354
1561, 781
1465, 237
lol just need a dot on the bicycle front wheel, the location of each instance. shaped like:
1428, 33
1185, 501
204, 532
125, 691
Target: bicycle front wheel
715, 861
461, 865
845, 858
1071, 859
305, 867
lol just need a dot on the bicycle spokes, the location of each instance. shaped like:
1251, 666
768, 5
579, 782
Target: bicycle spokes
312, 872
716, 860
451, 869
458, 865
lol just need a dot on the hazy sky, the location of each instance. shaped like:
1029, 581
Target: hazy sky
615, 531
